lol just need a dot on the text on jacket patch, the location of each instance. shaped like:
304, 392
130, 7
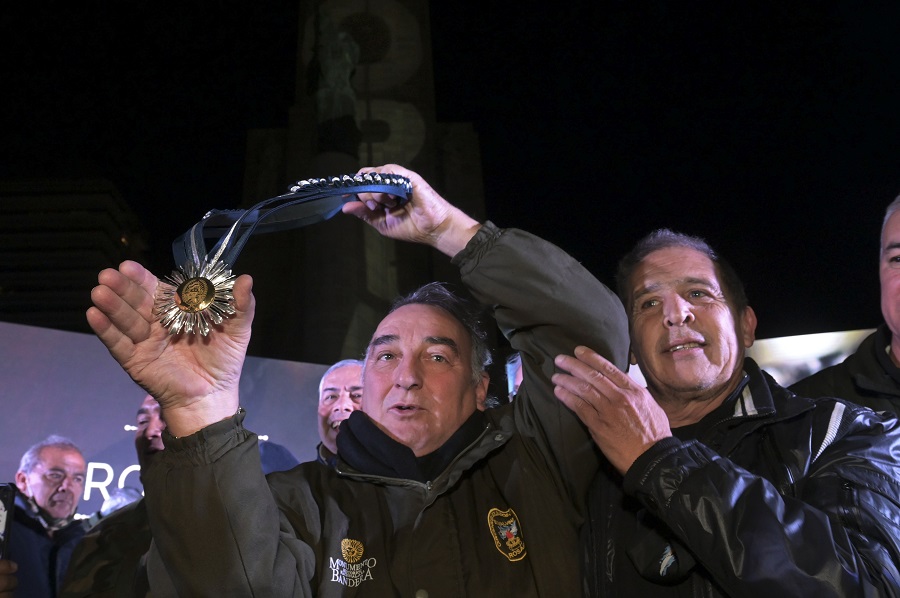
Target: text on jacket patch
352, 569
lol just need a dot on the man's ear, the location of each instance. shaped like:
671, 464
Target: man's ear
481, 391
22, 482
747, 330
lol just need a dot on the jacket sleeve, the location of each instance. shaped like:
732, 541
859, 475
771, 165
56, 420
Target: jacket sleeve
546, 303
108, 557
215, 524
836, 534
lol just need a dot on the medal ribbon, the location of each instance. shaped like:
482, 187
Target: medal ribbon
199, 292
308, 202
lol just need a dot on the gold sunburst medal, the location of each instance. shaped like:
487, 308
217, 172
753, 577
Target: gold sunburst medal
193, 297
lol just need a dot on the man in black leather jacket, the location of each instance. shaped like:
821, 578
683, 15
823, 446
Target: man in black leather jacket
720, 482
871, 376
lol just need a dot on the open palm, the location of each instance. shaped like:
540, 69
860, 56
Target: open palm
178, 370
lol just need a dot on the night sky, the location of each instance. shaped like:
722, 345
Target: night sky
772, 128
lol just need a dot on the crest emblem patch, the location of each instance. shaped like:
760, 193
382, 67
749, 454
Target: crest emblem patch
507, 533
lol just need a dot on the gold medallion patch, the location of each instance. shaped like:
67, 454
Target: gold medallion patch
507, 533
351, 550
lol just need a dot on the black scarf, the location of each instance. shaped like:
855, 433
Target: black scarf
363, 446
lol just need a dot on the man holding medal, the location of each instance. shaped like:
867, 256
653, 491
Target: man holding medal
430, 494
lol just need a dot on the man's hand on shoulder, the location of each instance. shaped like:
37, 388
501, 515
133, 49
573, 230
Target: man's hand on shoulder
623, 418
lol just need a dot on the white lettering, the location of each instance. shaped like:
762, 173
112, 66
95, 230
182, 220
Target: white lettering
101, 486
351, 575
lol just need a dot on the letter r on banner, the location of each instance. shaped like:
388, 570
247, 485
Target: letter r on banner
101, 486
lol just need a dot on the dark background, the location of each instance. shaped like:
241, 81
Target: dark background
769, 128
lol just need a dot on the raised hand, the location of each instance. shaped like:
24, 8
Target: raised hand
426, 218
194, 378
624, 420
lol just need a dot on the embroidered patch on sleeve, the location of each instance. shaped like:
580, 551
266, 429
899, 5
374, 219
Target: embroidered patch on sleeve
507, 533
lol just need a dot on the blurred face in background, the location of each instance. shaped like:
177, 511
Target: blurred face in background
340, 393
56, 482
889, 273
148, 438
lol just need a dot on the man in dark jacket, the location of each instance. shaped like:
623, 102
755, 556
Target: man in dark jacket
871, 376
44, 533
721, 482
431, 495
108, 562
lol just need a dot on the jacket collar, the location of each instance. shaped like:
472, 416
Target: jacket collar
886, 378
762, 396
758, 400
325, 456
40, 517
